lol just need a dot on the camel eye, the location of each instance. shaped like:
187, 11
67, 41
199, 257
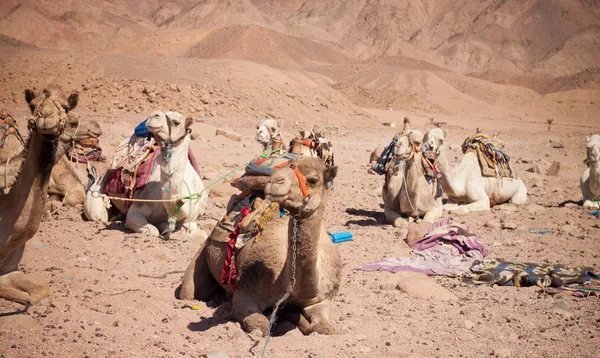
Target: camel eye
312, 181
73, 124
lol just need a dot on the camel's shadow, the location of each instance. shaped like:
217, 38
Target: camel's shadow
374, 218
578, 203
223, 315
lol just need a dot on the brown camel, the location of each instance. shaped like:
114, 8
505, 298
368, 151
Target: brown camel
266, 267
22, 208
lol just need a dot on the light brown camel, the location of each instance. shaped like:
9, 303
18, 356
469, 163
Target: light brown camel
21, 209
406, 192
590, 178
68, 179
266, 267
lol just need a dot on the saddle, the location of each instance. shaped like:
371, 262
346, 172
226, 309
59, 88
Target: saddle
493, 161
317, 143
8, 126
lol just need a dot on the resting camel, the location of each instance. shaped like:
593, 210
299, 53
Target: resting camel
267, 131
590, 179
265, 265
406, 192
468, 190
22, 208
173, 178
68, 179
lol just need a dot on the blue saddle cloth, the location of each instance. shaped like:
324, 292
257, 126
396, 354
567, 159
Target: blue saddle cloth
141, 130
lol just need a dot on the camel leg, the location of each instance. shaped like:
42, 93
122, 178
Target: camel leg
435, 213
137, 222
520, 196
393, 217
15, 287
194, 230
198, 282
588, 197
318, 315
247, 312
479, 205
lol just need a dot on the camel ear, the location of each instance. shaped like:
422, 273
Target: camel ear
280, 123
73, 100
330, 174
29, 96
188, 122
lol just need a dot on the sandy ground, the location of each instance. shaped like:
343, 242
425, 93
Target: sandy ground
114, 290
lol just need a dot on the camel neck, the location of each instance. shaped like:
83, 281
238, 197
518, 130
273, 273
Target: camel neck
594, 178
27, 197
173, 162
308, 236
446, 172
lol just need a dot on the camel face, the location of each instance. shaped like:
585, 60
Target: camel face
49, 110
266, 131
284, 187
168, 126
434, 138
407, 144
75, 129
592, 145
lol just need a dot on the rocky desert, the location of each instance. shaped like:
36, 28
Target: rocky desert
526, 70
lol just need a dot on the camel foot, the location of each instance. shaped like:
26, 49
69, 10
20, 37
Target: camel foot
459, 211
400, 222
15, 287
149, 229
256, 322
322, 328
591, 204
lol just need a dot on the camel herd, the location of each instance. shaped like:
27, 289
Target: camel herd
287, 255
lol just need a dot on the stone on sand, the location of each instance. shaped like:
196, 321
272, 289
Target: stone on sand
420, 286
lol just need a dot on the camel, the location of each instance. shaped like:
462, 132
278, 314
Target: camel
590, 179
22, 208
11, 145
468, 190
267, 131
173, 178
406, 192
265, 265
68, 179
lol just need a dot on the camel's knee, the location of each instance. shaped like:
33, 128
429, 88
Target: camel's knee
520, 196
246, 311
138, 223
318, 315
16, 287
198, 282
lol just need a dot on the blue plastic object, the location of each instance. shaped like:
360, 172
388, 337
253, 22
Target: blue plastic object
341, 237
141, 130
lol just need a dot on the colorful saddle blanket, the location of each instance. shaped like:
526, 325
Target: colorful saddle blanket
318, 145
490, 153
85, 151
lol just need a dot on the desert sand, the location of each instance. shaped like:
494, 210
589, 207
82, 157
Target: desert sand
505, 67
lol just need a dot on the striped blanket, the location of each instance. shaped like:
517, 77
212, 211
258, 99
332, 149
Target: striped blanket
123, 180
490, 153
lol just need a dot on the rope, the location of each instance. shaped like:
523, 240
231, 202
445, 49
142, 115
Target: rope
70, 170
406, 190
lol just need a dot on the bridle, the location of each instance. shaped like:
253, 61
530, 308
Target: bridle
413, 149
62, 112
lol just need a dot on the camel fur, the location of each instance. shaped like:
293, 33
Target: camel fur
406, 192
68, 181
172, 179
590, 179
22, 207
264, 265
468, 190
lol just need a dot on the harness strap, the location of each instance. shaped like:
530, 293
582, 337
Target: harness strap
301, 180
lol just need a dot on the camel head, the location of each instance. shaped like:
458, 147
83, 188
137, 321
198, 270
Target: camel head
434, 138
592, 145
77, 129
408, 144
169, 127
267, 130
50, 110
285, 186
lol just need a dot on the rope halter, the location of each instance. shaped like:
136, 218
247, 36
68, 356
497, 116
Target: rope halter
62, 112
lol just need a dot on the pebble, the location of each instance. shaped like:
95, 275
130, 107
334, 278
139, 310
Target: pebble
469, 324
513, 336
501, 352
493, 224
217, 355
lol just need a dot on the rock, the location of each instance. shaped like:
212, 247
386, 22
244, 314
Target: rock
568, 229
501, 352
223, 190
232, 136
513, 336
469, 324
510, 225
554, 169
418, 285
416, 231
217, 355
534, 169
563, 308
493, 224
